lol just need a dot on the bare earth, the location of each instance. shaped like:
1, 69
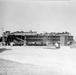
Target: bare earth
14, 68
37, 61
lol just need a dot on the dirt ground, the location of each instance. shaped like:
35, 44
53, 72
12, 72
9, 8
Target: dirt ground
14, 68
42, 61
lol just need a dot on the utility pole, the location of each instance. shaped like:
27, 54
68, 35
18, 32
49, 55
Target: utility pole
2, 35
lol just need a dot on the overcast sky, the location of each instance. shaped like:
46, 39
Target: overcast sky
40, 16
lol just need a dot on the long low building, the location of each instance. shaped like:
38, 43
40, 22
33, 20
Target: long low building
33, 38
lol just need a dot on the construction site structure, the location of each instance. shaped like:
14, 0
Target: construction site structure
34, 39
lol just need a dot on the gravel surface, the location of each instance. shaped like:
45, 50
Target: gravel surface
37, 60
14, 68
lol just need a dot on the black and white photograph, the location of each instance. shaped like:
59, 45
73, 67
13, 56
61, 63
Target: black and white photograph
37, 37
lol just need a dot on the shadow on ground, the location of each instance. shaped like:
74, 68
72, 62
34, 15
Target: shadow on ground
4, 49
